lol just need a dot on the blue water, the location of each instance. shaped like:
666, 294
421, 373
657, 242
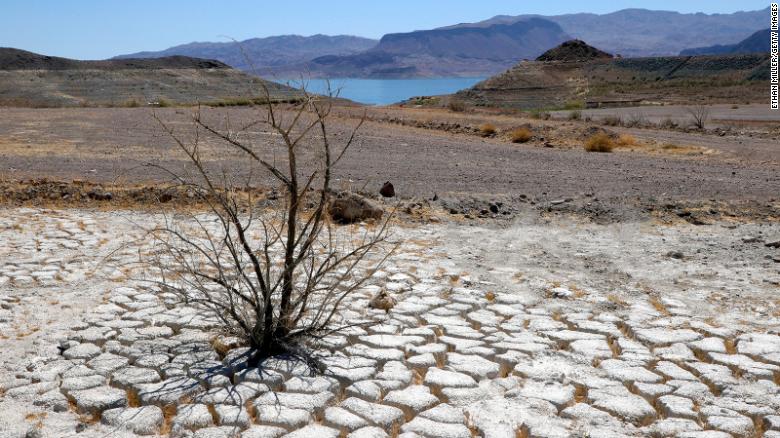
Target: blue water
385, 91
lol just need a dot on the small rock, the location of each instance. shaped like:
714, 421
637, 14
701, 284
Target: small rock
387, 190
382, 301
561, 292
347, 207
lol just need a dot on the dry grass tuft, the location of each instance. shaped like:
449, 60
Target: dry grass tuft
599, 143
627, 140
133, 400
659, 306
521, 135
168, 413
487, 129
456, 106
617, 300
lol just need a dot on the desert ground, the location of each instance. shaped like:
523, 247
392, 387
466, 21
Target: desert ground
425, 153
542, 290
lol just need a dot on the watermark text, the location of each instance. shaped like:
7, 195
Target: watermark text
773, 73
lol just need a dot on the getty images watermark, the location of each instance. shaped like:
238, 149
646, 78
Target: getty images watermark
773, 57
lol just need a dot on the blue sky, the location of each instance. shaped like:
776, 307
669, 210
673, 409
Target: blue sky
97, 29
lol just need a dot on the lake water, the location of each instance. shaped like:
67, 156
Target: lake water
385, 91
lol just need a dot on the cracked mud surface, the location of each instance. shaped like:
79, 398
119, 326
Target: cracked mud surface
536, 329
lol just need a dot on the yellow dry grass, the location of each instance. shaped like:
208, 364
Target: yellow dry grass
600, 142
521, 135
487, 129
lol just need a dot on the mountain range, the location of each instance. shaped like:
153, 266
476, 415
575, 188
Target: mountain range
268, 52
759, 42
642, 32
475, 49
442, 52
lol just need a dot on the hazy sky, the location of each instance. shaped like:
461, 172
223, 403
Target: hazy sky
97, 29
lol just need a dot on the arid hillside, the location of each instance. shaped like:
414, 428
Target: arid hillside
621, 81
32, 80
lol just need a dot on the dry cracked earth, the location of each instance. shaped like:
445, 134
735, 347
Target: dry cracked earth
533, 329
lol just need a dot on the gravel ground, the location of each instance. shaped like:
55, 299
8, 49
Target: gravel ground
720, 115
539, 328
109, 145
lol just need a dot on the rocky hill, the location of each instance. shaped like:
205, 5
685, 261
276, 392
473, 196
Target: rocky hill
266, 54
443, 52
31, 80
756, 43
642, 32
624, 82
574, 50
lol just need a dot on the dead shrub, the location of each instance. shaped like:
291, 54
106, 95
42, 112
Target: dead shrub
700, 115
273, 277
635, 120
487, 129
456, 106
600, 142
521, 135
668, 123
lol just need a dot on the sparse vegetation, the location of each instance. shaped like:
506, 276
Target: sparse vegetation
668, 123
700, 115
242, 101
275, 278
600, 142
424, 101
164, 103
635, 120
456, 106
575, 115
540, 115
611, 121
521, 135
574, 105
132, 103
626, 140
487, 129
